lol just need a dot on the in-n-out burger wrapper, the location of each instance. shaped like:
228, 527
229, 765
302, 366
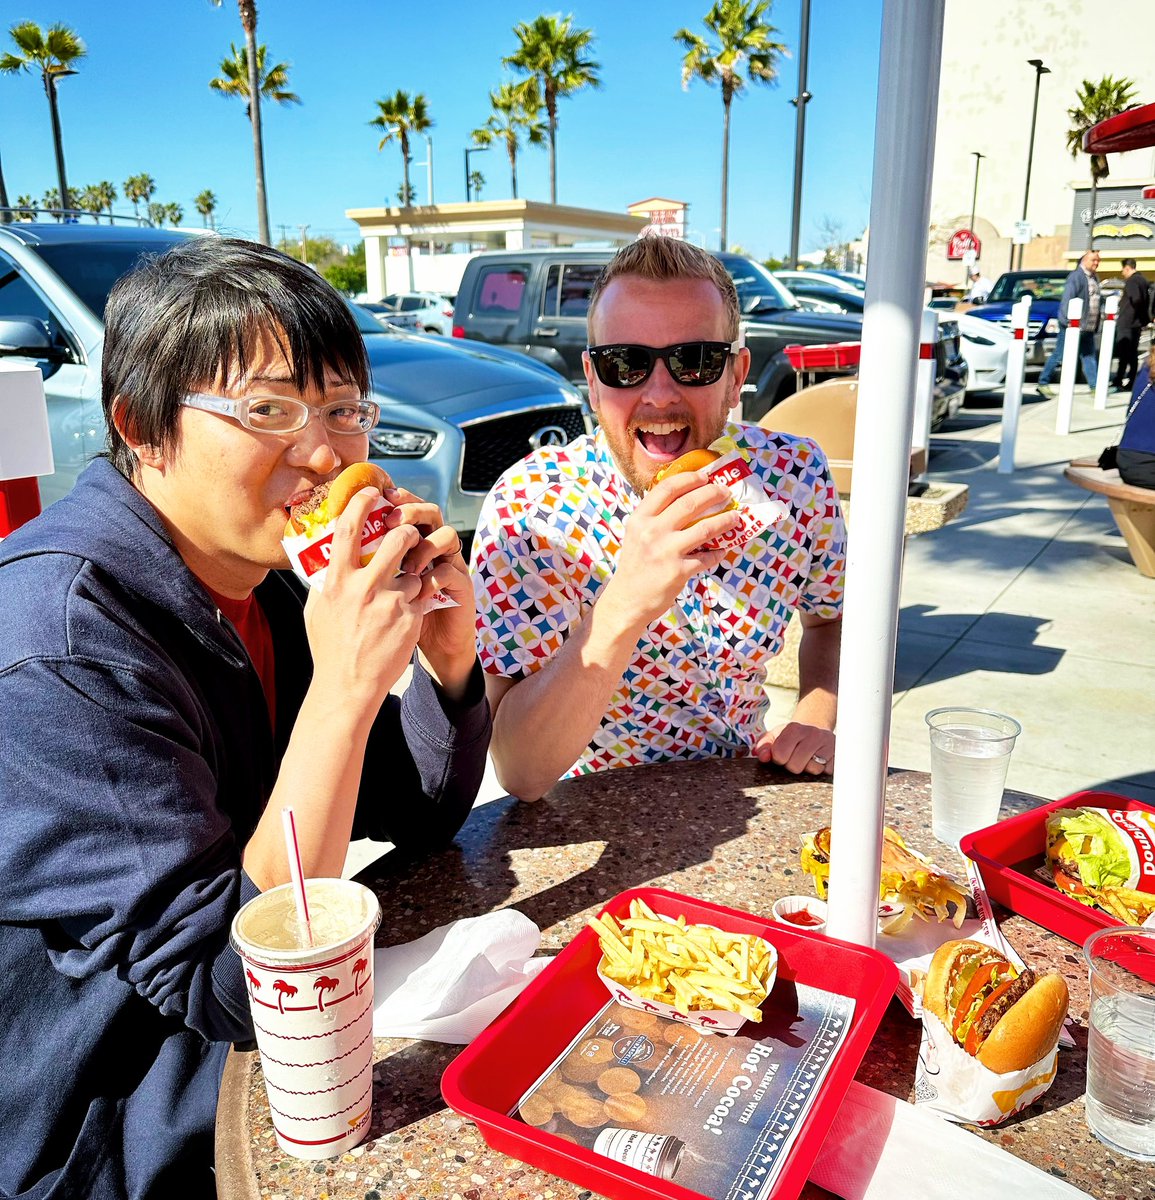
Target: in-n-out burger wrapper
758, 511
956, 1084
309, 554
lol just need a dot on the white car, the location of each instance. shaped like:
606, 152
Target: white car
985, 347
431, 311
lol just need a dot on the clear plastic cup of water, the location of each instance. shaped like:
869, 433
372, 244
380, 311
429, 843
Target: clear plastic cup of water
970, 750
1121, 1040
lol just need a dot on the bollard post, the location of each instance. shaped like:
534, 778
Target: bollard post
1013, 386
1106, 348
25, 445
924, 382
1070, 367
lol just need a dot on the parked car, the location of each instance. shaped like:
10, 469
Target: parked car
985, 345
453, 417
829, 279
808, 285
535, 301
390, 317
1045, 289
430, 311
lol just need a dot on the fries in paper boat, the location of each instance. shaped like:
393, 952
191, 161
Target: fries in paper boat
696, 974
908, 879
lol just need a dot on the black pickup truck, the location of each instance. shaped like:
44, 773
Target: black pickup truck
535, 301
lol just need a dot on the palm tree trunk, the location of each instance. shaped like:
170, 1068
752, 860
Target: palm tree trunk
57, 141
725, 169
1094, 196
512, 169
5, 215
248, 9
551, 108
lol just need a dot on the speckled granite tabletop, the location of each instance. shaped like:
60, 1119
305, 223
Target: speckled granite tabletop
726, 831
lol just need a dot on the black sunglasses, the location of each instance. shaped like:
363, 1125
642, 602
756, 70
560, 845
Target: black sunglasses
692, 364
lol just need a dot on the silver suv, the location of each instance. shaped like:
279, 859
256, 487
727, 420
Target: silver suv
453, 417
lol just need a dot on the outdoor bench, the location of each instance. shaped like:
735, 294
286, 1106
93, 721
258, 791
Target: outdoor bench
1132, 507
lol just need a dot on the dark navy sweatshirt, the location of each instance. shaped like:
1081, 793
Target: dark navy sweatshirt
136, 756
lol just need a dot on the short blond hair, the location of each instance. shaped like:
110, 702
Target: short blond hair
667, 258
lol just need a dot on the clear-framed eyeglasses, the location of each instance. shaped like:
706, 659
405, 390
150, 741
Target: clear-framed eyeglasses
281, 414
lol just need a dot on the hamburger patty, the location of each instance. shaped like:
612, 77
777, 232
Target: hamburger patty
313, 502
1014, 993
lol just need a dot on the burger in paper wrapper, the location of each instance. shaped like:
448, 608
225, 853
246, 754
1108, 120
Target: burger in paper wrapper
990, 1033
725, 462
308, 539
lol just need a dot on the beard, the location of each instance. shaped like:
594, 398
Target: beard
627, 449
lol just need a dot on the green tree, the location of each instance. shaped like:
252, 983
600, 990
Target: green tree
1095, 102
738, 38
206, 204
26, 208
405, 194
348, 276
157, 213
138, 188
104, 193
476, 183
516, 110
552, 53
234, 78
87, 200
52, 52
51, 202
248, 12
399, 118
174, 214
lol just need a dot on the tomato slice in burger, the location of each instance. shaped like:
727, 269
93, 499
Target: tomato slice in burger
979, 980
972, 1043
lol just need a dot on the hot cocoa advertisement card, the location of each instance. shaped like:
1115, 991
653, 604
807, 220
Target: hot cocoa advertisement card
715, 1114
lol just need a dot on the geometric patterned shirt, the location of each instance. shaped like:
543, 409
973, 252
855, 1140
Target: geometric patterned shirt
547, 542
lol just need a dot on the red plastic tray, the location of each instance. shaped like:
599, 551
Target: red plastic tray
1008, 852
833, 357
486, 1081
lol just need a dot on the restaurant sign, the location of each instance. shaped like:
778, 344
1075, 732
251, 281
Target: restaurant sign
1124, 219
960, 242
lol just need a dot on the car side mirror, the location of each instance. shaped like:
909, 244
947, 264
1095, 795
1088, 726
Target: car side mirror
26, 338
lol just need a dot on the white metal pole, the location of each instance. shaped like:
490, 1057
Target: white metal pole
907, 108
924, 387
1013, 385
1106, 351
1070, 367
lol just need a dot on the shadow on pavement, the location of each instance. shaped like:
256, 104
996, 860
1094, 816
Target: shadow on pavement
1140, 785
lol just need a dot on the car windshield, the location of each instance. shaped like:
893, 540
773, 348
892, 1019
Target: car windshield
1044, 286
91, 270
367, 323
758, 290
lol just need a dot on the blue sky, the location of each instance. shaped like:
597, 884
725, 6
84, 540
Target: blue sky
141, 102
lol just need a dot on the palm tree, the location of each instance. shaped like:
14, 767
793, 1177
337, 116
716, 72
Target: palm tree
516, 107
551, 53
399, 118
26, 208
157, 213
206, 204
105, 195
52, 202
52, 52
86, 199
5, 215
234, 78
739, 37
476, 183
138, 188
248, 11
174, 214
323, 984
1095, 102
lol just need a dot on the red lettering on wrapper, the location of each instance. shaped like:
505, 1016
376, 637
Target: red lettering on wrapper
730, 470
1139, 829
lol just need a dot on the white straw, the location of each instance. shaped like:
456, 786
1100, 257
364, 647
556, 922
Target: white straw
293, 851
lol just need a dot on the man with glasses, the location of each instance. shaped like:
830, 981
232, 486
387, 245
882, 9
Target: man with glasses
608, 636
167, 691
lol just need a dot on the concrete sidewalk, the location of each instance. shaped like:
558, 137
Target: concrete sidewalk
1030, 604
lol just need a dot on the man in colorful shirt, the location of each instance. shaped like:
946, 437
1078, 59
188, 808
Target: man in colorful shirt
609, 637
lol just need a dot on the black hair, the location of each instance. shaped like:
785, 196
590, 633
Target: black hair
1128, 262
180, 321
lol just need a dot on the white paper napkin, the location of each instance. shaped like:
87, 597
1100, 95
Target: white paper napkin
448, 985
880, 1148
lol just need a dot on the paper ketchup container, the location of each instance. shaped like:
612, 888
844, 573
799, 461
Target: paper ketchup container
955, 1084
758, 510
709, 1020
309, 553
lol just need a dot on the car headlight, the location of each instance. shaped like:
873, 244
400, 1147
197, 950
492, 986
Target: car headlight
391, 442
1052, 326
978, 341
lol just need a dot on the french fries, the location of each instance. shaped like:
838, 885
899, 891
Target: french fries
692, 968
1126, 904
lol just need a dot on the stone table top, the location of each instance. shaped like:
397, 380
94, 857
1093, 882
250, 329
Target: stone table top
726, 831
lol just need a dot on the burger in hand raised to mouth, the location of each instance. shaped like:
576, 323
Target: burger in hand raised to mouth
1005, 1018
327, 501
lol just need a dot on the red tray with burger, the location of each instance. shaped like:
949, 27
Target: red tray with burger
1073, 866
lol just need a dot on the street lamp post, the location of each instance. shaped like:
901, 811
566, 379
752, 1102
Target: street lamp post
468, 151
974, 197
1040, 71
50, 79
800, 101
428, 165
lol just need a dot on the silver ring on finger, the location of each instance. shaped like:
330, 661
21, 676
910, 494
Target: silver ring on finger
819, 760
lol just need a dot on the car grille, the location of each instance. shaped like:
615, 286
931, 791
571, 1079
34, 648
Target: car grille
1035, 327
491, 446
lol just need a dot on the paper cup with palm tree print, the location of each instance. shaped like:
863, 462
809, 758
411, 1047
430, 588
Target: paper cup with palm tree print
312, 1011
